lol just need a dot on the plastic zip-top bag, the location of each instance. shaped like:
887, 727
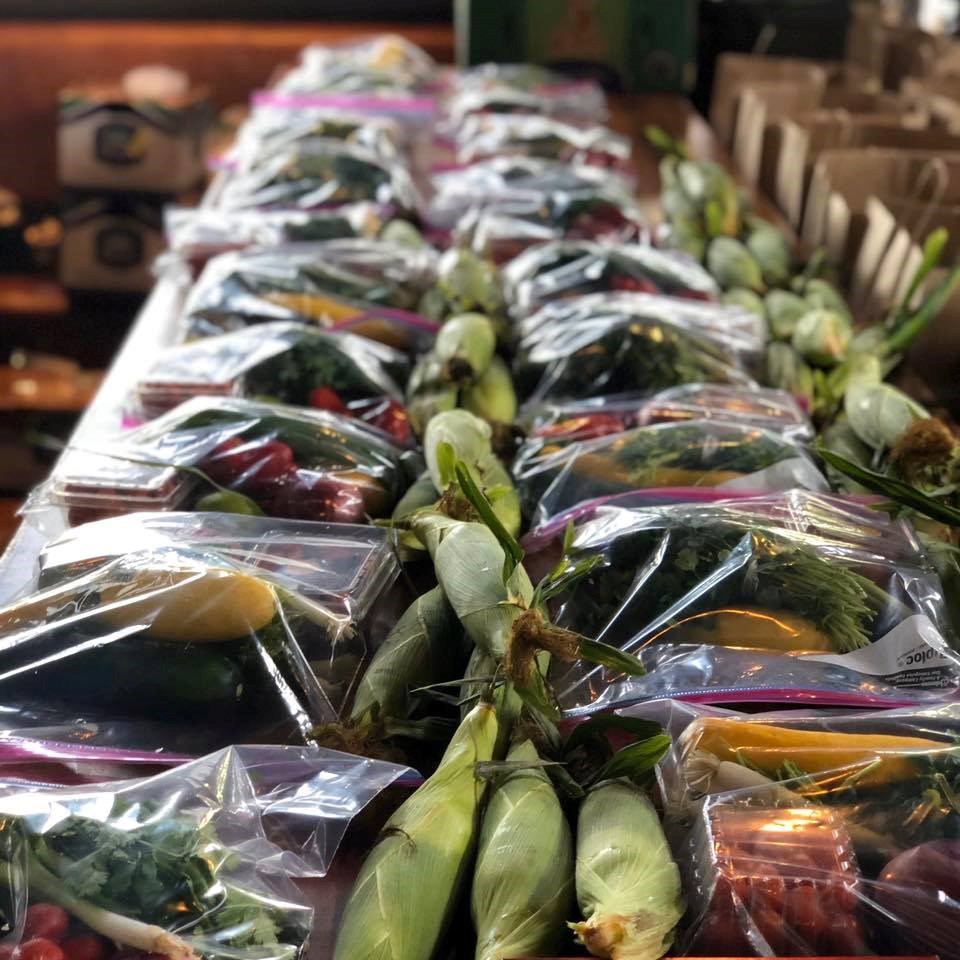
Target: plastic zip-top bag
795, 595
569, 268
239, 456
193, 862
820, 834
285, 362
367, 287
554, 474
193, 631
607, 344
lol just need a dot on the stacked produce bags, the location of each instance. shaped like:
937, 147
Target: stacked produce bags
458, 477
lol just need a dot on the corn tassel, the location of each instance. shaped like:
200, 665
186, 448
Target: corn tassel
411, 879
523, 881
628, 886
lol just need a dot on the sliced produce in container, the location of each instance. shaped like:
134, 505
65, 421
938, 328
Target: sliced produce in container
237, 456
570, 268
198, 629
368, 287
607, 344
555, 473
753, 598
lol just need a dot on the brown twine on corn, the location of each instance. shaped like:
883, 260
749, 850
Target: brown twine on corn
530, 634
925, 443
454, 505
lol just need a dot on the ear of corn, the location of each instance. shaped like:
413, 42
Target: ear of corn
468, 562
523, 881
465, 347
492, 396
425, 646
766, 747
628, 886
732, 265
410, 881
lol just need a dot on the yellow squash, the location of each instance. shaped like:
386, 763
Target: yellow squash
883, 758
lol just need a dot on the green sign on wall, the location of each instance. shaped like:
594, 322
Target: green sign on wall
632, 45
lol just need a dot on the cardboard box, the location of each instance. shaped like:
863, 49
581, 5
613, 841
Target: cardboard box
630, 45
737, 71
803, 138
755, 139
107, 142
843, 180
110, 242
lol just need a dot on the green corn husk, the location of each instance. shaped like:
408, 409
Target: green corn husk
465, 346
732, 265
787, 370
468, 561
628, 886
741, 297
425, 646
523, 880
783, 310
410, 881
492, 396
471, 441
822, 295
465, 282
481, 667
878, 413
403, 233
687, 234
422, 493
427, 399
822, 337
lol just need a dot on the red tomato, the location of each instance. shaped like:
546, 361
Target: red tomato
47, 921
392, 418
8, 951
304, 495
40, 948
84, 946
326, 398
237, 461
632, 284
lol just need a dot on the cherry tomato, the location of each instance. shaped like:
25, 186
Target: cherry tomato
275, 460
8, 951
84, 946
633, 284
40, 948
326, 398
47, 921
393, 419
305, 495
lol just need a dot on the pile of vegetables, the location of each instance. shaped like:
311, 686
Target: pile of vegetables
355, 438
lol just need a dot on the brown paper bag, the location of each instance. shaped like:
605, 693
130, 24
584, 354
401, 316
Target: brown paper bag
738, 70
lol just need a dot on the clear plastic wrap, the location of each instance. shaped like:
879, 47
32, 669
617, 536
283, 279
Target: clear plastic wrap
282, 461
795, 595
194, 631
310, 174
499, 208
524, 88
822, 835
368, 287
388, 64
617, 343
288, 363
567, 268
199, 233
483, 136
554, 473
271, 127
594, 417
